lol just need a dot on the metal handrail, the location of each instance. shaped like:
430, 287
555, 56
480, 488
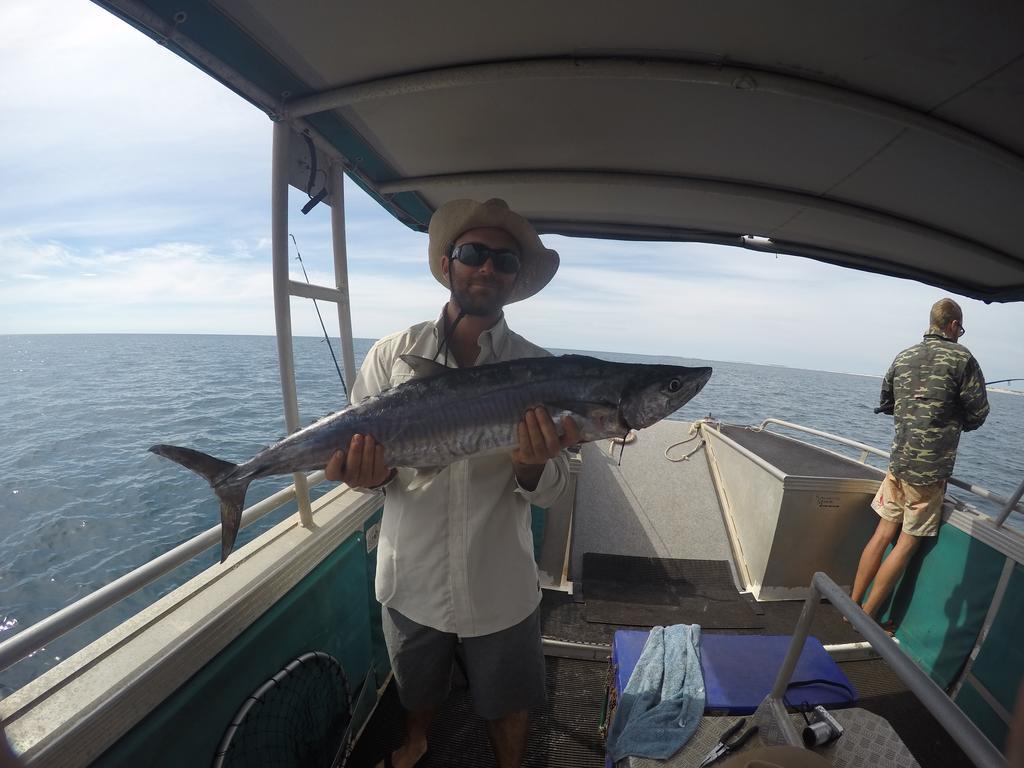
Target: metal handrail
63, 621
974, 743
1009, 505
47, 630
835, 438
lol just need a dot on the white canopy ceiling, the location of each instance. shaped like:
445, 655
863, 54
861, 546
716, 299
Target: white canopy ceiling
886, 136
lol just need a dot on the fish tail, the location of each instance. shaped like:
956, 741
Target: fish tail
217, 472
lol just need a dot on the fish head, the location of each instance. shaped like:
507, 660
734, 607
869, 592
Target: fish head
659, 390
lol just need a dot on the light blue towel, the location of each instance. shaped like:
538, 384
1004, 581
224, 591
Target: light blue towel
664, 698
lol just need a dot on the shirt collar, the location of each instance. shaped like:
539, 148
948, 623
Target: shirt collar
493, 342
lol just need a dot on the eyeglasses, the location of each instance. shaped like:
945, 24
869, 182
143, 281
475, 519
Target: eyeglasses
960, 329
475, 254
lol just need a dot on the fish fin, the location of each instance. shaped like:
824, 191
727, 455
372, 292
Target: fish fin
232, 500
423, 368
217, 472
423, 476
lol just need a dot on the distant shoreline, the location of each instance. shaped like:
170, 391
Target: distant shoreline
1002, 390
1006, 390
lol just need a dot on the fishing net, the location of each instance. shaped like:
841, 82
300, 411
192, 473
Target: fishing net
297, 718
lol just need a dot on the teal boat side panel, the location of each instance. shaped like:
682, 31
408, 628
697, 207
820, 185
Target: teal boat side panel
381, 661
538, 518
1000, 663
982, 715
327, 611
942, 599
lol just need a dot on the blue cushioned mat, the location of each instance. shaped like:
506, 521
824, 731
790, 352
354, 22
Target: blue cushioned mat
739, 670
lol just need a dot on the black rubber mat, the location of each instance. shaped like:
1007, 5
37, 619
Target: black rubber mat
564, 619
563, 735
650, 591
780, 618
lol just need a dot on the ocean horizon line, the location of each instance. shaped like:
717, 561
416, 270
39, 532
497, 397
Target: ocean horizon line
1009, 390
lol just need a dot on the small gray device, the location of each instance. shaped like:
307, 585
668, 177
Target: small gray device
822, 729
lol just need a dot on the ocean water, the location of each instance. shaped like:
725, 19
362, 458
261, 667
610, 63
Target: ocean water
83, 502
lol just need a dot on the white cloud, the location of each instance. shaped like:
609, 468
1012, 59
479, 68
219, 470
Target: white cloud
136, 198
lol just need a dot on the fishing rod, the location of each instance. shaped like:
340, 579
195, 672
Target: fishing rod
317, 308
880, 409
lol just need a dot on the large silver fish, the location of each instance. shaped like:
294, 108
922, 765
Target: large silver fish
445, 414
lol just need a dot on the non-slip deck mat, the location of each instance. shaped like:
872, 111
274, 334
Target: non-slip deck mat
562, 618
576, 693
563, 735
883, 693
868, 742
650, 591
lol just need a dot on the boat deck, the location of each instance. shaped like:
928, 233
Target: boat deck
567, 732
662, 516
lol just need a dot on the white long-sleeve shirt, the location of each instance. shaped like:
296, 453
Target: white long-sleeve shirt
457, 553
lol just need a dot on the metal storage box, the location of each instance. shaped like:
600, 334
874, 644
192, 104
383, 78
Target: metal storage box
791, 508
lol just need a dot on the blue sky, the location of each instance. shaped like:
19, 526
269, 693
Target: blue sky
136, 199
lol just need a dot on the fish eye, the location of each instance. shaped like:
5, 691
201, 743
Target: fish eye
675, 385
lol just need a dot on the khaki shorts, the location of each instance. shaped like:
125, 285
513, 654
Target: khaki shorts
918, 507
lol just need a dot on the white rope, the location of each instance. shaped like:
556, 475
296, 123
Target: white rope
627, 440
683, 458
694, 434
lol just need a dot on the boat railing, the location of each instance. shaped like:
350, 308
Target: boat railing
1007, 505
970, 738
63, 621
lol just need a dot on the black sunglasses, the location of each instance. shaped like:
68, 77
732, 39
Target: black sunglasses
475, 254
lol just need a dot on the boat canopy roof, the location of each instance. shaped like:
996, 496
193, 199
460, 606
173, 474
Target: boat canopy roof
882, 136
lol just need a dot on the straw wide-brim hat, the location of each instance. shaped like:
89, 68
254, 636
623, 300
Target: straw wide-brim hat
537, 263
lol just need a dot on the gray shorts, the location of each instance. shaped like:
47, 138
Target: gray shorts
505, 669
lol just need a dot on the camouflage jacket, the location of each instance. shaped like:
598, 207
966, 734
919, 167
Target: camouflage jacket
934, 389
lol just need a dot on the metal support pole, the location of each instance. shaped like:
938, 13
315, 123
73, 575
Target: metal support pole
776, 699
1010, 504
336, 178
282, 300
974, 743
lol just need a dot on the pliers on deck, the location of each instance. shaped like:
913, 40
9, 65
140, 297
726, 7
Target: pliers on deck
725, 746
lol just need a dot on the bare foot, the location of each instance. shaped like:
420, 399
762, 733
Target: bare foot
889, 627
406, 756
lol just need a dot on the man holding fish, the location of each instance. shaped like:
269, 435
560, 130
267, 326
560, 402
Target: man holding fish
455, 562
462, 422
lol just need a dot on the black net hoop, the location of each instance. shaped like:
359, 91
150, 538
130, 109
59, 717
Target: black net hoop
296, 719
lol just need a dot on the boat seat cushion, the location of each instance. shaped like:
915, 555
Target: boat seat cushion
739, 670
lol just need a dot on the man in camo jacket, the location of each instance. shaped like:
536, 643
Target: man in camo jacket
935, 390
